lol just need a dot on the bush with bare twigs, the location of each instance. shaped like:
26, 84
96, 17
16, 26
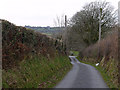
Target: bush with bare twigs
19, 43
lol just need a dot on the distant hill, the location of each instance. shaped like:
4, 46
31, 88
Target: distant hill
46, 30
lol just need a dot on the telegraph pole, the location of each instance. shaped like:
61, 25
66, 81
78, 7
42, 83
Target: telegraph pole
119, 13
119, 41
0, 54
100, 12
100, 24
65, 21
65, 35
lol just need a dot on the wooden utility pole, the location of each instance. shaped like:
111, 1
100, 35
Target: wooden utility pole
100, 13
119, 13
65, 21
0, 53
100, 24
65, 36
119, 42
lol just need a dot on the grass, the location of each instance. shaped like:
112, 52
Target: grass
103, 73
36, 73
76, 53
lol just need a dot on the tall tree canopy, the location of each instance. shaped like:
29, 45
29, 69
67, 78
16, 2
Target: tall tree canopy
86, 22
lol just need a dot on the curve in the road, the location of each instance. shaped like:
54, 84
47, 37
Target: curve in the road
82, 76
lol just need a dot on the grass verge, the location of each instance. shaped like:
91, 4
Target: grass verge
103, 73
36, 73
76, 53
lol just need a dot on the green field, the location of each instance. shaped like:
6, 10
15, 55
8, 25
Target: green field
75, 53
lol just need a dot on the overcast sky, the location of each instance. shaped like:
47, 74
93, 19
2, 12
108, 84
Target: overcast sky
41, 12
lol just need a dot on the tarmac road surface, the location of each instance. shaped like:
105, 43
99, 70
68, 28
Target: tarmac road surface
82, 76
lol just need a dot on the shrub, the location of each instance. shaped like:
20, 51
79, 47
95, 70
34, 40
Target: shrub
107, 47
19, 43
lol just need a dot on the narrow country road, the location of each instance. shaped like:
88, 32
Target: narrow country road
82, 76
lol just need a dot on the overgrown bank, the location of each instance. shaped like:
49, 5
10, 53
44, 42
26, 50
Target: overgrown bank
31, 59
18, 42
106, 54
37, 72
107, 78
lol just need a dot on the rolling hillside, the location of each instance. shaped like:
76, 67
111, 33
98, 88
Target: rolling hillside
46, 30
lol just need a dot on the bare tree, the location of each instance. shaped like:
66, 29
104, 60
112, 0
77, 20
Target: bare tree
62, 22
86, 22
59, 21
